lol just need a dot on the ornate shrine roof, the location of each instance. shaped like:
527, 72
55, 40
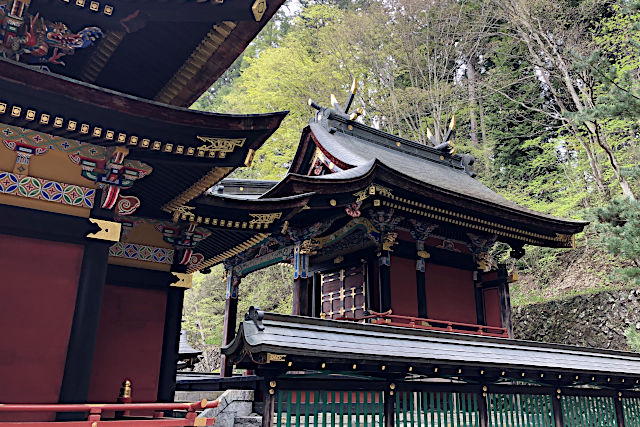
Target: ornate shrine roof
188, 150
355, 150
167, 50
362, 170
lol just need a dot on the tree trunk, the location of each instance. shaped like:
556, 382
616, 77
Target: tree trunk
601, 139
473, 123
202, 339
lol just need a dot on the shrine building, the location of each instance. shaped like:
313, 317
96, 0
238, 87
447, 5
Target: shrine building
98, 157
401, 316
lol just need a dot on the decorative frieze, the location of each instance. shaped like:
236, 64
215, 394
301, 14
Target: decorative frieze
44, 189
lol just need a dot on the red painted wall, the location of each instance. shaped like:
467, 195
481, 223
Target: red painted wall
450, 294
404, 296
38, 290
492, 313
129, 343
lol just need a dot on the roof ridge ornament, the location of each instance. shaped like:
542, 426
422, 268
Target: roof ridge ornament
256, 315
337, 107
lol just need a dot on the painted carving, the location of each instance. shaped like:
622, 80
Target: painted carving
480, 247
301, 234
112, 174
261, 219
23, 151
385, 220
184, 239
219, 147
421, 231
139, 252
127, 205
34, 40
353, 209
44, 189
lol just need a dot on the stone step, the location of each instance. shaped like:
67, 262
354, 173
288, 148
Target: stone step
252, 420
195, 396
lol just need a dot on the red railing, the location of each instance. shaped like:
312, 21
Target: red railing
387, 318
95, 413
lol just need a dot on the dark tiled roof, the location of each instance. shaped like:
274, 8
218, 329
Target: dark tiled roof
331, 339
184, 349
359, 146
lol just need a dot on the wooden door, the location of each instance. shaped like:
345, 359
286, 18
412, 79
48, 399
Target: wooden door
343, 293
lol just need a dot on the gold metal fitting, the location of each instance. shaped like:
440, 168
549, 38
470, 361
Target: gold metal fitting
272, 384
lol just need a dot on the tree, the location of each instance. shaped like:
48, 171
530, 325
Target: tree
556, 34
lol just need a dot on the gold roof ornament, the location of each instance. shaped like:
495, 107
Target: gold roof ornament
258, 9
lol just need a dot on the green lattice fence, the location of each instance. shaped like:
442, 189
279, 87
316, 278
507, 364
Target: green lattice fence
434, 409
588, 411
631, 411
519, 410
329, 409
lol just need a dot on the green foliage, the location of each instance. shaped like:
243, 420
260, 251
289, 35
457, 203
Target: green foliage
204, 304
619, 223
633, 338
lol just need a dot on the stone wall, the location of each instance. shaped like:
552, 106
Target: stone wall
593, 320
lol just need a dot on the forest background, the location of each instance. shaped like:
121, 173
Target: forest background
545, 94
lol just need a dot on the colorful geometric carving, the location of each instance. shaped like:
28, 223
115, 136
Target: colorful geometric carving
24, 151
77, 150
44, 189
139, 252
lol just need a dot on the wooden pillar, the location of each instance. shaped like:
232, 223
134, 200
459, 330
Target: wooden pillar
617, 400
421, 285
300, 304
230, 319
86, 316
315, 296
170, 345
557, 410
389, 408
269, 403
84, 329
483, 416
384, 262
505, 300
479, 296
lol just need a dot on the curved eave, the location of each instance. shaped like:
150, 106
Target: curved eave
361, 177
208, 204
313, 340
69, 99
233, 45
238, 224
